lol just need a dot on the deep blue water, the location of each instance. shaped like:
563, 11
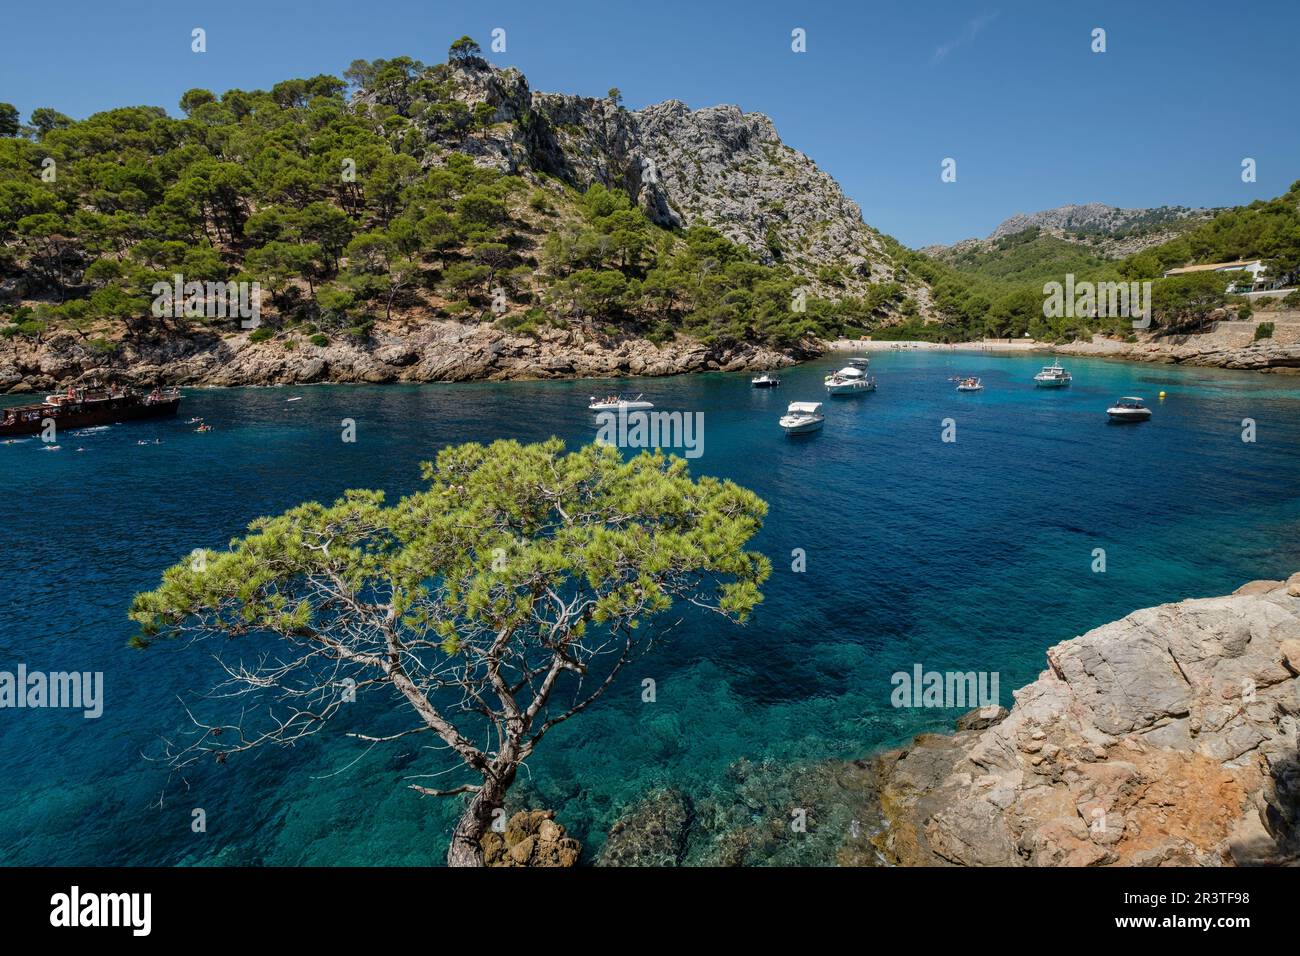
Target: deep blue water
973, 555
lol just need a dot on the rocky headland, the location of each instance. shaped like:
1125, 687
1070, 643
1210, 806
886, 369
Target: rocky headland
1168, 738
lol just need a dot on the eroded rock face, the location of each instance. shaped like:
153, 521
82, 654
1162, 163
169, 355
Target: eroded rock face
531, 838
435, 351
1166, 738
717, 166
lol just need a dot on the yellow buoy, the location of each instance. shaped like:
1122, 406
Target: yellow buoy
1162, 394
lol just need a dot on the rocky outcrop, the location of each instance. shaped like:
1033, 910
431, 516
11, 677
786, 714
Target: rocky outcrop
1227, 345
717, 166
531, 838
435, 351
1166, 738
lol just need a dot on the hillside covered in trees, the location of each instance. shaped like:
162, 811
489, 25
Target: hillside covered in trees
997, 290
380, 200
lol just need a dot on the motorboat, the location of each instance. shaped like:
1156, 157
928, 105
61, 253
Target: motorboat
1129, 409
766, 380
615, 403
850, 380
970, 385
1053, 376
802, 417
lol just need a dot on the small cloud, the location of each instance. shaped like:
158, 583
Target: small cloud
973, 29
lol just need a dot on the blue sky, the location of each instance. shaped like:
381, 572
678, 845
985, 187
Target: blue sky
884, 93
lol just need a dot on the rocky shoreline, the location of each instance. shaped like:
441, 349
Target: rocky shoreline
1263, 356
451, 351
1168, 738
440, 351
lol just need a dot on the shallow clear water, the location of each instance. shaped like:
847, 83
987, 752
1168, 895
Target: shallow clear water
972, 555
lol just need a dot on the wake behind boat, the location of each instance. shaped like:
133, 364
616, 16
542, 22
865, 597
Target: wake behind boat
615, 403
802, 417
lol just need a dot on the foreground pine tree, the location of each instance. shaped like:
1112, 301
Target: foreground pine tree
498, 602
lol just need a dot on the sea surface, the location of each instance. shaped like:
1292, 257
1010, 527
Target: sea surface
972, 555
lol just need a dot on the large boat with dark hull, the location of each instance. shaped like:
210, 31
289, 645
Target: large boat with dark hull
82, 408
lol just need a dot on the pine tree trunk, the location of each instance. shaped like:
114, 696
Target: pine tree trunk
466, 847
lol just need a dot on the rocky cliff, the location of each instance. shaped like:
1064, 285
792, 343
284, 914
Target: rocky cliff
716, 166
1166, 738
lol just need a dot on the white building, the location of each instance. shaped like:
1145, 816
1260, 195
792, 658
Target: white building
1259, 281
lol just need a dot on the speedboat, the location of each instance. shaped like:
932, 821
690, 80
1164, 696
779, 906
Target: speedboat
970, 385
850, 380
766, 380
616, 403
1053, 376
1129, 409
802, 417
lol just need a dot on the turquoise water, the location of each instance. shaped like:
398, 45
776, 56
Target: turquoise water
972, 555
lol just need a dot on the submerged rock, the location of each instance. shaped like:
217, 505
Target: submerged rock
652, 833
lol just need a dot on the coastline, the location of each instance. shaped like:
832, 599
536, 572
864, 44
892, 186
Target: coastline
452, 351
1227, 344
1165, 738
441, 351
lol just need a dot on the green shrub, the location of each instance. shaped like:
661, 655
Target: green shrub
319, 340
1264, 331
261, 334
1292, 299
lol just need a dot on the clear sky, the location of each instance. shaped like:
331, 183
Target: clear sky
885, 92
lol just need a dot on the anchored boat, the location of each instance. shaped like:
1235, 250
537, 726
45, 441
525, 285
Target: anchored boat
81, 408
1129, 409
970, 385
802, 417
850, 380
766, 380
1053, 376
614, 403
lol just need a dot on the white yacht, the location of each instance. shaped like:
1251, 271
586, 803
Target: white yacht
970, 385
850, 380
615, 403
1129, 409
766, 380
802, 417
1053, 376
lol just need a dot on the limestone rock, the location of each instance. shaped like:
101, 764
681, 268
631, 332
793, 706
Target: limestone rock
1167, 738
531, 838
